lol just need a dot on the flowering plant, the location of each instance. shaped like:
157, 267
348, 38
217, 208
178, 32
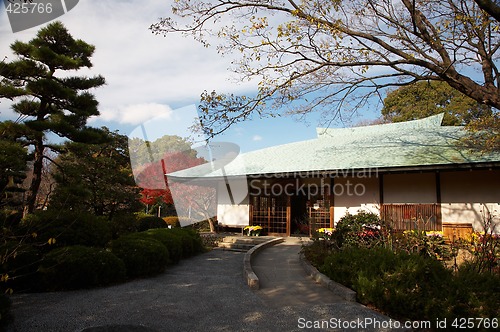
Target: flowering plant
486, 248
253, 230
436, 234
427, 243
325, 233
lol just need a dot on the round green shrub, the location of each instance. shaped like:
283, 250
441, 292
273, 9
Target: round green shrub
142, 256
146, 222
172, 242
78, 266
198, 242
123, 224
364, 229
68, 228
191, 241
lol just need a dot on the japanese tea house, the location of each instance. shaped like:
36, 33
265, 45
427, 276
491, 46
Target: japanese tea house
413, 174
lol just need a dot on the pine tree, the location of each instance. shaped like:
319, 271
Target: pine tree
47, 97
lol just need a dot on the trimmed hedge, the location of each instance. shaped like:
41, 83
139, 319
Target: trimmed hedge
78, 258
180, 242
142, 256
192, 243
412, 286
123, 224
78, 266
172, 242
68, 228
146, 222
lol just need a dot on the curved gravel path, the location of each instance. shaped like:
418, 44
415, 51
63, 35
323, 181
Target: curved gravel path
203, 293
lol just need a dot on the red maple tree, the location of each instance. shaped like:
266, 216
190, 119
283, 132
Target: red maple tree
191, 201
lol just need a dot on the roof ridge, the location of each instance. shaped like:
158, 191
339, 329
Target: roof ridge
433, 121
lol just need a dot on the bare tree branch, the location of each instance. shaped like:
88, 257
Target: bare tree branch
334, 56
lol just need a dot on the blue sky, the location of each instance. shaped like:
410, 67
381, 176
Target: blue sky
152, 76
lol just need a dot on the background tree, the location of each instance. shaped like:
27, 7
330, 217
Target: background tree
334, 55
96, 178
46, 97
142, 152
196, 202
485, 134
423, 99
13, 163
146, 157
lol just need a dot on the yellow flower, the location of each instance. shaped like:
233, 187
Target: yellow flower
434, 233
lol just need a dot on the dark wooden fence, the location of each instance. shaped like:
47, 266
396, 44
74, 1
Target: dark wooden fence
412, 216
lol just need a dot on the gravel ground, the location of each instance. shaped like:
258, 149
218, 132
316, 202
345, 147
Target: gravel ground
203, 293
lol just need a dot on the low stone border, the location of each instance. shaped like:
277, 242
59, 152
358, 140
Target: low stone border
340, 290
250, 276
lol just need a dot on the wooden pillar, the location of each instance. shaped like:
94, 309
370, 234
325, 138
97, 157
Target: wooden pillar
332, 202
381, 194
381, 188
269, 215
288, 215
251, 207
439, 216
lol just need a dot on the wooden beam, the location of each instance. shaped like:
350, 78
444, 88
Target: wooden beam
332, 202
439, 216
288, 216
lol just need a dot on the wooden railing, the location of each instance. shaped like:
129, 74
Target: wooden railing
412, 216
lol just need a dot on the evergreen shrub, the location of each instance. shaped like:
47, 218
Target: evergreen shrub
146, 222
142, 256
75, 267
475, 294
191, 241
362, 229
412, 286
172, 242
196, 239
123, 224
68, 228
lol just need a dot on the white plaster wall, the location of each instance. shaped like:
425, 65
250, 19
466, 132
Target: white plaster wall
352, 194
468, 196
237, 214
410, 188
233, 215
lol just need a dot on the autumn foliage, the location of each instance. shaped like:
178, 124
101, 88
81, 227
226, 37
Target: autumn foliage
152, 177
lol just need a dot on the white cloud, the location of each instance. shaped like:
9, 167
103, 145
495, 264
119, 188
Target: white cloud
134, 114
257, 138
140, 68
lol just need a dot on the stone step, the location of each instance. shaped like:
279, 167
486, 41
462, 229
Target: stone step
242, 243
246, 239
236, 246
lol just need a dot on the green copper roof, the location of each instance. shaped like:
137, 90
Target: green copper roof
405, 144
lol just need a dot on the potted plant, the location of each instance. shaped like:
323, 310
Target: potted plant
253, 230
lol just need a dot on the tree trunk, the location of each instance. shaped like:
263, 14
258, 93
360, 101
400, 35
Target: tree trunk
211, 223
32, 192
